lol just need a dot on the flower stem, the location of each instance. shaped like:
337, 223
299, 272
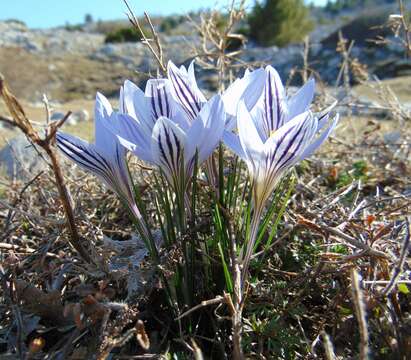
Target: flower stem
255, 223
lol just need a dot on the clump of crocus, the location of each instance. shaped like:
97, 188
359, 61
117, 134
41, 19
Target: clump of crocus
172, 125
275, 135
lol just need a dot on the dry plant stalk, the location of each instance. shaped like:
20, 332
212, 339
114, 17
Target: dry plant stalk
401, 28
306, 66
23, 123
213, 54
359, 306
400, 265
157, 52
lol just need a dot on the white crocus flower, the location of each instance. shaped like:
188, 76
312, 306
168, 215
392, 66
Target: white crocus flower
154, 126
106, 157
275, 135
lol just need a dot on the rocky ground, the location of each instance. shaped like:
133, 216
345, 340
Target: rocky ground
72, 64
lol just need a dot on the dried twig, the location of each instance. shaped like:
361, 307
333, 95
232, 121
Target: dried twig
358, 300
22, 122
217, 300
403, 256
323, 228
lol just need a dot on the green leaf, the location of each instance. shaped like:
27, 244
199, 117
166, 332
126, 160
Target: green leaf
403, 288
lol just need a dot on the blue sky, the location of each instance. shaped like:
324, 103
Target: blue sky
47, 13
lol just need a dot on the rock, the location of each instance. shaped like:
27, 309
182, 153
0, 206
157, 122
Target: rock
393, 137
20, 160
57, 116
74, 119
81, 115
6, 125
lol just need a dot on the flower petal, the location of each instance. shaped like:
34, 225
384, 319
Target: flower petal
301, 101
285, 146
167, 145
185, 90
320, 140
249, 89
133, 135
275, 102
134, 103
159, 97
250, 140
104, 139
232, 141
206, 137
112, 172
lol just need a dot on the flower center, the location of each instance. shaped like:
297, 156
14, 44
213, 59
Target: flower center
272, 133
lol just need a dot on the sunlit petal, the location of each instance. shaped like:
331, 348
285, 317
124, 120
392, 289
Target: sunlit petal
301, 101
185, 90
167, 145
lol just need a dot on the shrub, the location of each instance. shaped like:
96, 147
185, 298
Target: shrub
126, 34
279, 22
77, 27
170, 23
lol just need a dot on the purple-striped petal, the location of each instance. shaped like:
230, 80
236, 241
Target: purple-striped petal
320, 139
112, 171
275, 102
286, 145
281, 151
159, 98
185, 90
167, 145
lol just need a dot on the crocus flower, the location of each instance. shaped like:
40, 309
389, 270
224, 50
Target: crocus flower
277, 133
269, 157
156, 129
274, 136
185, 90
105, 158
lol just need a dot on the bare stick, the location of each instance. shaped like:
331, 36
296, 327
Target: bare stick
323, 228
217, 300
405, 25
236, 304
358, 300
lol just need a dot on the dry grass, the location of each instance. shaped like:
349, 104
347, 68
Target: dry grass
401, 87
64, 78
